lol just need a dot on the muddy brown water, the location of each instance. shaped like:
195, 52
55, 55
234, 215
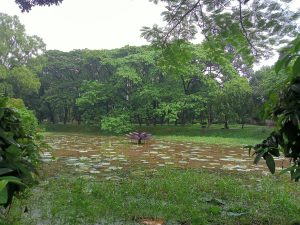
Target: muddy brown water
106, 156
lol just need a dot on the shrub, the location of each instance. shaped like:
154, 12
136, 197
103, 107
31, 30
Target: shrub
116, 124
285, 111
18, 150
29, 121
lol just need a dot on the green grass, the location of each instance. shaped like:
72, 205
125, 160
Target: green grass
235, 136
176, 196
70, 128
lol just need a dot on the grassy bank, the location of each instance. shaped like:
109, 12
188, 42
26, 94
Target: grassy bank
71, 128
235, 136
173, 196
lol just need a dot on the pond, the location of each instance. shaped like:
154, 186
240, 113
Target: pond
106, 157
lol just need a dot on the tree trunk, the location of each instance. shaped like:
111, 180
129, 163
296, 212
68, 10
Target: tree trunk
226, 126
209, 115
154, 121
65, 115
162, 120
139, 120
183, 117
51, 112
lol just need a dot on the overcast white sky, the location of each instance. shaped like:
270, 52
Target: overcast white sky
92, 24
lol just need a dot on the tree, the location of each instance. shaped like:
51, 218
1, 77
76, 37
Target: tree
265, 83
26, 5
93, 101
18, 126
61, 78
234, 101
17, 48
241, 26
16, 52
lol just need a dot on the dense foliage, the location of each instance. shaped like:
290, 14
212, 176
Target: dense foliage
112, 89
118, 124
285, 111
18, 134
243, 27
18, 76
18, 149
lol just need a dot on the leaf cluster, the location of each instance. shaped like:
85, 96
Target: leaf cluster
286, 113
248, 27
18, 153
26, 5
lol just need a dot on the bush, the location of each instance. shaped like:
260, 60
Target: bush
116, 124
285, 111
18, 149
29, 121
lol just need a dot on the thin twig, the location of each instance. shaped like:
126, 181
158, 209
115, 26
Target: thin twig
203, 24
244, 32
180, 20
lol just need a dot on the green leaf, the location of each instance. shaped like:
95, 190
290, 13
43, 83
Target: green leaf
249, 148
3, 184
296, 87
296, 175
12, 179
270, 163
297, 46
2, 110
296, 67
292, 168
274, 151
258, 157
3, 196
13, 150
7, 139
5, 171
279, 64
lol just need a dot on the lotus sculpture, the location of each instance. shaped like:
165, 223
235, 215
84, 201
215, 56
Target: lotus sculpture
139, 136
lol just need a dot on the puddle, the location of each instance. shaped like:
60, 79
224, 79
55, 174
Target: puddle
108, 156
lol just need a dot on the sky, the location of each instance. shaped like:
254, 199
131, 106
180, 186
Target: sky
93, 24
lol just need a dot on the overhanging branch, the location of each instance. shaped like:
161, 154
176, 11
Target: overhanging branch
244, 31
180, 20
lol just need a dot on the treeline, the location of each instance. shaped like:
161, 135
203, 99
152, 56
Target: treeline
143, 85
181, 83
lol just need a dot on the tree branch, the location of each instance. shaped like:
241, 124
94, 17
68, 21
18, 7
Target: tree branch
203, 24
180, 20
244, 32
